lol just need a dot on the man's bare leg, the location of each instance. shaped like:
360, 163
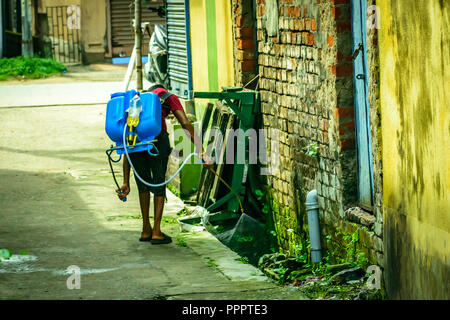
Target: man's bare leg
144, 201
158, 211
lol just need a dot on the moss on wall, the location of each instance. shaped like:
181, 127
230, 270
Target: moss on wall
414, 66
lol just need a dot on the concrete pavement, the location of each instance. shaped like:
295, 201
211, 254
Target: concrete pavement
58, 204
81, 85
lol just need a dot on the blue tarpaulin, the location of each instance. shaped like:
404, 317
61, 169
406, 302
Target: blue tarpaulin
126, 60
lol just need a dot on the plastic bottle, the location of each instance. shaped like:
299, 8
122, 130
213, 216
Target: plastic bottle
134, 111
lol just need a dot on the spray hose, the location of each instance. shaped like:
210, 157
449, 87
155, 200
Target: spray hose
176, 173
137, 175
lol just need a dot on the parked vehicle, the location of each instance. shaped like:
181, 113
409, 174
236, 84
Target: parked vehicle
155, 69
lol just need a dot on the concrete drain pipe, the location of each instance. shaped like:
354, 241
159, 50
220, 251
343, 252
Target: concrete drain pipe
312, 207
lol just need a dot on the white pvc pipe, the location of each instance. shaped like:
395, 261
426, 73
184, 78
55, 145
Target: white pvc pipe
127, 79
312, 207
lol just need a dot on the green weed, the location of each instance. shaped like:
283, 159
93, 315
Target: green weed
181, 241
242, 259
212, 263
311, 149
174, 190
29, 68
170, 220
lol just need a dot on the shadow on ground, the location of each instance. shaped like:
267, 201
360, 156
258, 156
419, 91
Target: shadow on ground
44, 215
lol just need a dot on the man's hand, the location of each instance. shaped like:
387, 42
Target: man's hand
123, 192
207, 161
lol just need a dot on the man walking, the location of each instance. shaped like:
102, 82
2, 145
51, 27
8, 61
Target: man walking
153, 168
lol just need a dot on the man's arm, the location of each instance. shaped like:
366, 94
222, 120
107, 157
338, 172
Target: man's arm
126, 171
125, 189
190, 132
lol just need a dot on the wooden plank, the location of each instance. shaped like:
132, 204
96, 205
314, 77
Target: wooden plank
221, 164
210, 177
207, 117
204, 170
222, 123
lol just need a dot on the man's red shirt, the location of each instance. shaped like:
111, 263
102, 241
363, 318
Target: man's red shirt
173, 102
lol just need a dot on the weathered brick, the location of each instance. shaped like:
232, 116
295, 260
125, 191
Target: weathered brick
239, 21
342, 70
311, 39
308, 24
343, 27
313, 24
246, 55
348, 143
245, 44
330, 41
244, 33
345, 114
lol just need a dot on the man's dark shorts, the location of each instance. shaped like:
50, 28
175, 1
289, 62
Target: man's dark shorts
152, 168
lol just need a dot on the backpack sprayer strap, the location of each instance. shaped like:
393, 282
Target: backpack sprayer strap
163, 99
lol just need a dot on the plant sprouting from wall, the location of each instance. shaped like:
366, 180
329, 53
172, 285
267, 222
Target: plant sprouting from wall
311, 149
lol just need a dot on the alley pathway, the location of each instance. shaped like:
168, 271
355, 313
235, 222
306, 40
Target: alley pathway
58, 204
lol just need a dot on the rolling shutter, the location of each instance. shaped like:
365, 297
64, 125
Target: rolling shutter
122, 33
179, 66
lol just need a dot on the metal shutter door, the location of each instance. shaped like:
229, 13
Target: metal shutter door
179, 68
122, 33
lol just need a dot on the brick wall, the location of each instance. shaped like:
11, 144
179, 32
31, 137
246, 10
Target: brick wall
244, 35
306, 88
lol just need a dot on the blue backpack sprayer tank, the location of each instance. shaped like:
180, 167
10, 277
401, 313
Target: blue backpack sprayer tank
133, 121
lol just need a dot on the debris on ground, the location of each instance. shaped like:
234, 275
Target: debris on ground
347, 275
5, 254
331, 282
247, 237
360, 216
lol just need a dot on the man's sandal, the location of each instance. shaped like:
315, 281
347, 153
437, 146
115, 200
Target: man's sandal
164, 240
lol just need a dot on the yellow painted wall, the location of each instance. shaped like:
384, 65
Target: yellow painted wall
415, 102
197, 18
199, 44
225, 54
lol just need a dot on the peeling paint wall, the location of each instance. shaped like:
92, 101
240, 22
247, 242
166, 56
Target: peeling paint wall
415, 82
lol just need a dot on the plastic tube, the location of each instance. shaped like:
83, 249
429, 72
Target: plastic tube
137, 175
312, 207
